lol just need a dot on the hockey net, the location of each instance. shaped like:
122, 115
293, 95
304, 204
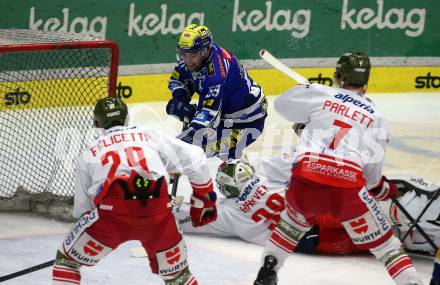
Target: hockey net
49, 82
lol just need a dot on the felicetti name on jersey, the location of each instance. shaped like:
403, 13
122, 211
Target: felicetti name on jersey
348, 111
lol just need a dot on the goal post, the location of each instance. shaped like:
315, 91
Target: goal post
49, 83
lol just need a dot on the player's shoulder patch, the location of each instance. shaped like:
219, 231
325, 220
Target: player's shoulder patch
175, 75
211, 69
226, 54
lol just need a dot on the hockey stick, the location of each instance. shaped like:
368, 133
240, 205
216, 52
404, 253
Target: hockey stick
174, 199
422, 232
269, 58
27, 270
433, 198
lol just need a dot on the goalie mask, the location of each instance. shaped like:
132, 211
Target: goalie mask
110, 112
353, 68
232, 175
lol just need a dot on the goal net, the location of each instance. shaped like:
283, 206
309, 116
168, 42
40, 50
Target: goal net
49, 83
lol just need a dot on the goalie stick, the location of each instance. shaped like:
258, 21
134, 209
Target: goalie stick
269, 58
139, 252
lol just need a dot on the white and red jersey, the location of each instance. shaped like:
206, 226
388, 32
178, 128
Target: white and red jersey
344, 139
120, 150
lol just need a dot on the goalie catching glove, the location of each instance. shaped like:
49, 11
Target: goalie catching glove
384, 190
203, 210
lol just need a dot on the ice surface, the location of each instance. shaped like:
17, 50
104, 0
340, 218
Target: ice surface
415, 148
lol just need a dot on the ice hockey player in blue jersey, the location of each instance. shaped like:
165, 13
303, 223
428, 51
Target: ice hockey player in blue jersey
231, 109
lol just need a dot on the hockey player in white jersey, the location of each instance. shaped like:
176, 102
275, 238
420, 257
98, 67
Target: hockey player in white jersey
251, 209
337, 167
121, 194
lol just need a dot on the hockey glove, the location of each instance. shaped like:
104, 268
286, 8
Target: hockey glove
385, 190
203, 210
180, 109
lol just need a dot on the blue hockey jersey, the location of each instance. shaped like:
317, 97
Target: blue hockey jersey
227, 94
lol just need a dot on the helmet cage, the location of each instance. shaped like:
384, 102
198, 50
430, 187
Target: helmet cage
231, 176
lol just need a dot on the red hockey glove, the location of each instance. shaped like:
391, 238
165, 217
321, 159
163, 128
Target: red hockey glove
203, 209
385, 190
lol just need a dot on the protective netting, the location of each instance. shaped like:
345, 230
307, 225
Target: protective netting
47, 94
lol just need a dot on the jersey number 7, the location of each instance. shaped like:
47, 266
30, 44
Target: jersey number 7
344, 129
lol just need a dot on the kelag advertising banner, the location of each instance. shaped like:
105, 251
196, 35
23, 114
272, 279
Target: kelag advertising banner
401, 37
146, 31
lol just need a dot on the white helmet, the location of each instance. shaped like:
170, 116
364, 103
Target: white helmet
232, 175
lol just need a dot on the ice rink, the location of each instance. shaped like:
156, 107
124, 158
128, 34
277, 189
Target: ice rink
27, 240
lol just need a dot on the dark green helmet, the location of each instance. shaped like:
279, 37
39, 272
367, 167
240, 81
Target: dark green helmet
109, 112
353, 68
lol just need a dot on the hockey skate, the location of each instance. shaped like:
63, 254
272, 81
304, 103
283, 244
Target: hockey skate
267, 275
